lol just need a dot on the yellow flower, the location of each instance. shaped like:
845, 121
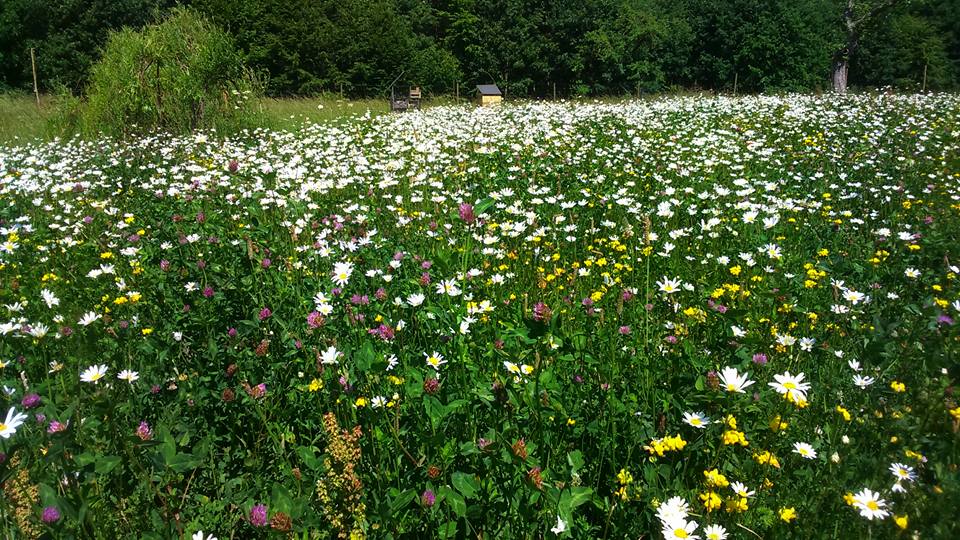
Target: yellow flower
737, 504
147, 331
735, 270
715, 479
734, 437
766, 458
955, 413
624, 477
106, 255
711, 501
360, 402
788, 514
901, 522
898, 387
315, 385
844, 412
777, 424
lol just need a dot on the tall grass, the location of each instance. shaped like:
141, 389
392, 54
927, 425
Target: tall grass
20, 118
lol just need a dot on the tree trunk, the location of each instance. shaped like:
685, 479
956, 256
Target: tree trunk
841, 59
840, 67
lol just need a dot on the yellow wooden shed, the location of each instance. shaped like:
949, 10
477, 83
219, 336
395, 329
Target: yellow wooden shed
488, 94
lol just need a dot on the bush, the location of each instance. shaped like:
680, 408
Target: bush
176, 76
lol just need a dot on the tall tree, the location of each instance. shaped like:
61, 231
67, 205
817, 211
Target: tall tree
856, 15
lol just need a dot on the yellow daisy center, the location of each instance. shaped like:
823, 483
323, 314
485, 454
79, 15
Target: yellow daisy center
789, 385
872, 505
680, 533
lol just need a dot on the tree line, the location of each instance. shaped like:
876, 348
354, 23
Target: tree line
531, 48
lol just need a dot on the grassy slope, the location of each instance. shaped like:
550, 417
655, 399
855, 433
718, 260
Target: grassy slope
20, 120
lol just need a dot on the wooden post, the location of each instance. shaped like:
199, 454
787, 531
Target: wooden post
736, 76
341, 90
924, 87
36, 90
456, 92
554, 90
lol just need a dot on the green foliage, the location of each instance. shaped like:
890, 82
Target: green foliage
611, 47
179, 75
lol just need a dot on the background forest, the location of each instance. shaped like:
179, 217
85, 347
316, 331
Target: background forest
531, 48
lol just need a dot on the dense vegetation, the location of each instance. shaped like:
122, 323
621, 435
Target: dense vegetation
528, 47
699, 317
179, 75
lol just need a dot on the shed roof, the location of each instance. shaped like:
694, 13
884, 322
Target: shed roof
489, 90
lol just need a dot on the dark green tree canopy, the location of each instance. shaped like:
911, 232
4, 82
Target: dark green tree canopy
528, 47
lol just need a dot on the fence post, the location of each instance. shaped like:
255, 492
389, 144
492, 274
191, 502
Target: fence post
456, 92
36, 90
554, 90
736, 76
924, 87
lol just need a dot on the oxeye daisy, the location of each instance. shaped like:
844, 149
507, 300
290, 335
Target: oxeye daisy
805, 450
714, 532
11, 423
668, 285
697, 419
93, 374
341, 273
903, 472
791, 386
129, 376
435, 360
732, 381
675, 509
741, 490
330, 356
870, 505
680, 529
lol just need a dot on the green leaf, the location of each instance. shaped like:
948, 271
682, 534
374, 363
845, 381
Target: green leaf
435, 410
575, 459
580, 495
448, 529
106, 464
184, 462
365, 357
309, 459
402, 500
280, 500
466, 484
454, 500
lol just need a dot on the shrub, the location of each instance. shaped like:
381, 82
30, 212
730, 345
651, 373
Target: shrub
179, 75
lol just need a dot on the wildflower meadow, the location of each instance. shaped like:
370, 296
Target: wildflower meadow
691, 317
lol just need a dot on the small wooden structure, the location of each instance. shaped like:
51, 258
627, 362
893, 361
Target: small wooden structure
411, 101
489, 94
